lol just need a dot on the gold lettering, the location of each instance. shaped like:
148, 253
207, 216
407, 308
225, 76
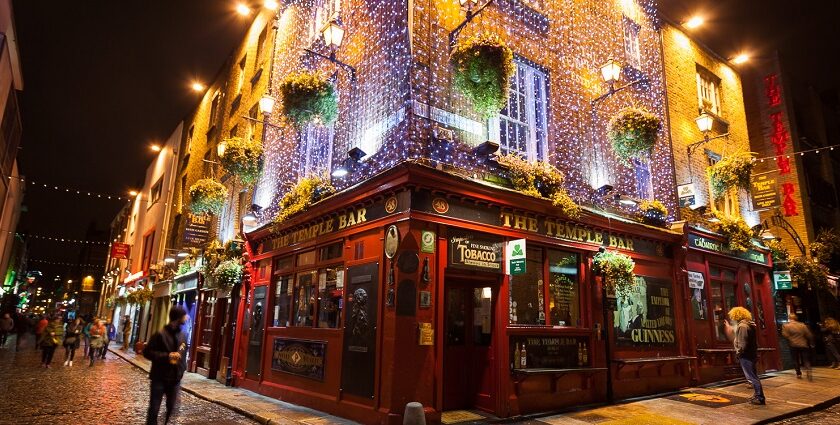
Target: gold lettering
360, 215
519, 222
630, 244
599, 238
351, 219
506, 219
581, 234
342, 222
549, 227
329, 227
532, 224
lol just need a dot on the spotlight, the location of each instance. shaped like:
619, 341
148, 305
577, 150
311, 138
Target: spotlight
694, 22
604, 190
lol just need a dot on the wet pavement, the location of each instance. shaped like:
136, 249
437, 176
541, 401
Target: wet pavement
111, 392
829, 416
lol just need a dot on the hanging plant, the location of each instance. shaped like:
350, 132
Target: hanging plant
736, 231
185, 266
121, 300
228, 273
144, 295
131, 298
731, 171
825, 246
308, 97
616, 269
541, 180
243, 158
302, 195
806, 272
207, 196
780, 254
483, 67
653, 212
110, 302
633, 133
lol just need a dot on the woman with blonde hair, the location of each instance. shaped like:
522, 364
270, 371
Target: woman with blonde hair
830, 330
746, 350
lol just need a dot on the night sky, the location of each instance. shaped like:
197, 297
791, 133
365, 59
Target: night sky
105, 78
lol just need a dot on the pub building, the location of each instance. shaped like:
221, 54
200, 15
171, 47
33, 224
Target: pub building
400, 292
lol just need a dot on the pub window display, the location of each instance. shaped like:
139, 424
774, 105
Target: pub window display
331, 291
562, 283
309, 298
526, 292
644, 315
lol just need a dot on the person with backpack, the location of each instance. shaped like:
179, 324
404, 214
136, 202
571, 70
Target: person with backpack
71, 340
51, 337
86, 335
97, 339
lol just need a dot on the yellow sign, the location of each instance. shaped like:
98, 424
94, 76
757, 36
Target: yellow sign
427, 334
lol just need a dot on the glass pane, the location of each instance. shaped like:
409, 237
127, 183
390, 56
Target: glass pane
332, 251
482, 316
283, 264
729, 275
455, 317
304, 299
526, 299
330, 300
721, 321
563, 289
306, 258
282, 300
729, 296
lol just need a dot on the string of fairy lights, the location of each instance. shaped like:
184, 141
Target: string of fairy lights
71, 190
801, 153
60, 239
65, 263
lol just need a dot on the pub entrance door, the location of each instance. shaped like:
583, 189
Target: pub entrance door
469, 364
253, 364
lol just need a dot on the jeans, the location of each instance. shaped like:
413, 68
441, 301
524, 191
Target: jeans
831, 350
801, 356
748, 366
47, 352
158, 390
69, 352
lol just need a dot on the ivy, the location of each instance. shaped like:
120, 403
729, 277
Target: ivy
804, 271
736, 231
207, 196
617, 270
541, 180
731, 171
243, 158
308, 97
483, 67
633, 133
301, 196
825, 246
780, 254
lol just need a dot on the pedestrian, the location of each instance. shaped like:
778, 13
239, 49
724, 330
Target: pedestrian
86, 335
746, 350
126, 331
166, 350
830, 329
21, 328
39, 329
71, 340
800, 340
106, 339
97, 339
6, 326
51, 337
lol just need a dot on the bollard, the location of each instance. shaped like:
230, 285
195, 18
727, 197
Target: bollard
414, 414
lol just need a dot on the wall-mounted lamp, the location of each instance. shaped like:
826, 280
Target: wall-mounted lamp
354, 157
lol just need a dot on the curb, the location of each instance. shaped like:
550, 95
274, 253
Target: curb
804, 411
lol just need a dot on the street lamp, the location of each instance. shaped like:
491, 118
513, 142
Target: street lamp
704, 122
271, 4
243, 9
741, 58
221, 148
155, 147
611, 72
694, 22
197, 86
267, 104
333, 33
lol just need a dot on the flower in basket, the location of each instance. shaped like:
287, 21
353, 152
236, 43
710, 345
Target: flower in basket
308, 97
302, 195
207, 196
633, 133
228, 273
616, 269
653, 211
808, 273
539, 179
483, 67
736, 231
732, 171
243, 158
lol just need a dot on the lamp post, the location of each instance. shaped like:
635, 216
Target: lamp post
333, 34
705, 122
473, 10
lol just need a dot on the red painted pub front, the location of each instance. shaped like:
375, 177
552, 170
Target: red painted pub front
402, 291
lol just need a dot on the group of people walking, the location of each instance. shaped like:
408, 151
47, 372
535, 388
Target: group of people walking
52, 332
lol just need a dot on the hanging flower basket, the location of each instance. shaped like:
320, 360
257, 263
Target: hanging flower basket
653, 212
308, 97
806, 272
207, 196
616, 269
144, 295
228, 273
121, 300
131, 298
185, 266
243, 158
731, 171
110, 302
736, 231
541, 180
483, 68
633, 133
301, 196
826, 246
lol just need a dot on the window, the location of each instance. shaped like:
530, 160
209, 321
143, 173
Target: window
304, 295
526, 292
563, 281
233, 131
644, 184
283, 287
154, 194
632, 49
708, 91
728, 203
182, 194
209, 308
315, 150
522, 125
240, 82
252, 123
214, 110
188, 141
309, 298
330, 303
325, 11
723, 299
148, 242
260, 48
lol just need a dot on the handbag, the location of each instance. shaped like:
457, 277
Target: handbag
70, 340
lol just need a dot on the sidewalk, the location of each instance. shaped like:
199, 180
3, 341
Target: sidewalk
264, 410
786, 395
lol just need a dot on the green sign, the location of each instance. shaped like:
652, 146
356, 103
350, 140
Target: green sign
516, 257
427, 242
782, 280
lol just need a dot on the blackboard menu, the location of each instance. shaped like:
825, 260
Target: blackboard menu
551, 352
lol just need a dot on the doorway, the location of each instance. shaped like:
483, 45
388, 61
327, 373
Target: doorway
469, 364
253, 365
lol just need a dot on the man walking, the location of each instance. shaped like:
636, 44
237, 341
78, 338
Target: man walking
166, 350
126, 331
6, 326
800, 340
746, 350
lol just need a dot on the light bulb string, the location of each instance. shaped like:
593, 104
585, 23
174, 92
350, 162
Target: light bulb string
800, 153
64, 263
60, 239
76, 191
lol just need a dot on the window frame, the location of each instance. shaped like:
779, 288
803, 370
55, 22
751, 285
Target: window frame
632, 46
537, 125
708, 84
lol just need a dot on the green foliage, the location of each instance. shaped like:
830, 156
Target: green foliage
731, 171
807, 272
825, 246
483, 67
780, 254
539, 179
141, 296
617, 270
185, 266
301, 196
735, 230
110, 302
653, 212
228, 273
207, 196
633, 133
308, 97
243, 158
121, 300
131, 298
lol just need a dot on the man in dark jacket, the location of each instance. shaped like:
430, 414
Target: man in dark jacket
167, 351
746, 350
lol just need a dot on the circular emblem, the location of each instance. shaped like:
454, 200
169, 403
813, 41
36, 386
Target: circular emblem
428, 239
391, 204
440, 205
392, 241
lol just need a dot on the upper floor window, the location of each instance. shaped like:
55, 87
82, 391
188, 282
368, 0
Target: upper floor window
325, 11
154, 194
708, 91
632, 49
315, 150
260, 47
241, 81
214, 109
522, 125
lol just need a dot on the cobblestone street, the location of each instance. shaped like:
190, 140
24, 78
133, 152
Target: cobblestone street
110, 392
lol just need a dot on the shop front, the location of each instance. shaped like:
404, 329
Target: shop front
210, 319
405, 292
719, 279
184, 293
